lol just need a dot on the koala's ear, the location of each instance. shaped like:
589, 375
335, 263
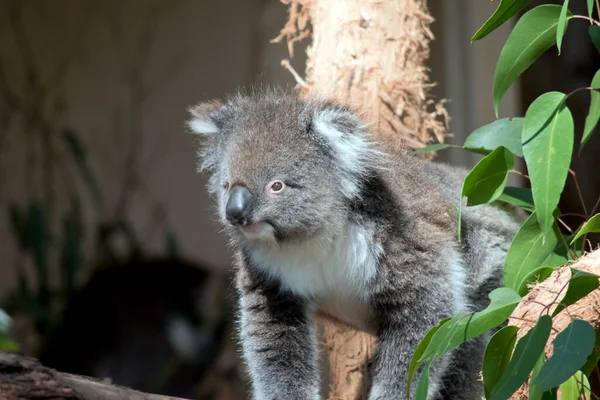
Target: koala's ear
347, 135
349, 140
204, 119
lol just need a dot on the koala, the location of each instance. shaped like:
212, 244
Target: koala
320, 217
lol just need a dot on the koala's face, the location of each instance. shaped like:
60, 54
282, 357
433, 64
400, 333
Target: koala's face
282, 169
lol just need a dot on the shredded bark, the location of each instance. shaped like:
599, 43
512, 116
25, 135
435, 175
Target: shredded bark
545, 296
370, 55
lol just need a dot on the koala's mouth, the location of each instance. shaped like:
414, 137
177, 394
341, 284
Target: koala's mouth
259, 231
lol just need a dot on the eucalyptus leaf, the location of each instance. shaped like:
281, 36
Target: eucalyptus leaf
594, 113
423, 386
562, 24
548, 134
517, 196
580, 285
497, 356
414, 362
533, 34
527, 352
503, 13
590, 7
535, 391
502, 132
591, 225
571, 348
432, 147
528, 251
463, 327
486, 181
575, 388
537, 275
594, 33
593, 358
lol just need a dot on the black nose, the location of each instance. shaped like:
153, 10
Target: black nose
238, 205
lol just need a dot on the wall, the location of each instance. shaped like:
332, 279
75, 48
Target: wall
134, 67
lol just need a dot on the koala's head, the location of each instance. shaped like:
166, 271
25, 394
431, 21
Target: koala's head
282, 168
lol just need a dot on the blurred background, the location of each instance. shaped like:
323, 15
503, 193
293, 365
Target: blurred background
111, 262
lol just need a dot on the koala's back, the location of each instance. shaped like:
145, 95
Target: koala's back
486, 230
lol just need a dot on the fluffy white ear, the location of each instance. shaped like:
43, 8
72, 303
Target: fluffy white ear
350, 143
201, 121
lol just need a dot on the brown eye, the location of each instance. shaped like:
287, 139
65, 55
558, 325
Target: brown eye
276, 187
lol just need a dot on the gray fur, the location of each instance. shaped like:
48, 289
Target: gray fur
367, 236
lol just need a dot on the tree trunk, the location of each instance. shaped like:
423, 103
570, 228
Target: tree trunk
369, 55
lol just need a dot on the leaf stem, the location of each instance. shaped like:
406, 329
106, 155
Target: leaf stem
592, 21
519, 173
574, 175
591, 214
579, 90
567, 227
582, 216
562, 237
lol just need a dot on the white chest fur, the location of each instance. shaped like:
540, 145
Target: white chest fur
334, 272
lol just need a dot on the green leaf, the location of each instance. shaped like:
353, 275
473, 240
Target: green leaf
72, 253
503, 13
432, 147
575, 388
591, 225
547, 146
463, 326
527, 251
502, 132
537, 275
594, 33
37, 240
78, 153
6, 344
533, 34
594, 114
497, 355
529, 348
580, 285
593, 358
535, 391
18, 224
571, 349
517, 196
562, 24
590, 7
5, 322
486, 181
423, 386
414, 362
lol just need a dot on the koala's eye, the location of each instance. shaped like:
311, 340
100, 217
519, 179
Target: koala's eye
276, 187
226, 186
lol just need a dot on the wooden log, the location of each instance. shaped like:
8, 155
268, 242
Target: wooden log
24, 378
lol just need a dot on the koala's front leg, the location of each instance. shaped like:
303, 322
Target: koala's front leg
406, 313
278, 341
